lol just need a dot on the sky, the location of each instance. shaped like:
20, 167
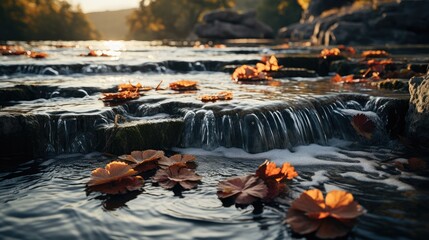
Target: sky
103, 5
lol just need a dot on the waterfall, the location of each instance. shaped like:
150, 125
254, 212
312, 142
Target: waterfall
281, 125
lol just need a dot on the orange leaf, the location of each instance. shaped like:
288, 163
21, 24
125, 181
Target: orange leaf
119, 97
112, 172
329, 218
248, 73
374, 54
183, 85
224, 95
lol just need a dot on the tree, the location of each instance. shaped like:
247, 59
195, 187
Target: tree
43, 20
279, 13
166, 19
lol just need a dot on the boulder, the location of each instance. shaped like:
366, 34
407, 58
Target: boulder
402, 22
417, 120
227, 24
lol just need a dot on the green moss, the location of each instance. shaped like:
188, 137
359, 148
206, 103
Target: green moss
141, 135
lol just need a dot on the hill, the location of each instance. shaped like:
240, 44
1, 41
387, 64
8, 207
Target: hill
112, 25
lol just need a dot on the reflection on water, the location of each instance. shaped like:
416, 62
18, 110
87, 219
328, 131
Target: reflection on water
48, 198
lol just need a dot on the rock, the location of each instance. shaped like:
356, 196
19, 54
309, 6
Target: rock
49, 71
223, 16
292, 72
403, 22
418, 114
140, 135
227, 24
393, 84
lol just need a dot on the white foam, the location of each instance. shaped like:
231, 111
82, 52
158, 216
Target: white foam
309, 156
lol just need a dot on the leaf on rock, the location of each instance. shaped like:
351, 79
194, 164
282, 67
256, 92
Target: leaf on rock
224, 95
244, 189
187, 159
330, 52
248, 73
112, 172
183, 85
133, 88
328, 218
120, 96
268, 65
363, 125
177, 174
375, 54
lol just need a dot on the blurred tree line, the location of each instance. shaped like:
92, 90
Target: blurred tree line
173, 19
43, 20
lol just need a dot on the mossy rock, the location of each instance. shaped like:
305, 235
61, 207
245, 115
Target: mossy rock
140, 135
393, 84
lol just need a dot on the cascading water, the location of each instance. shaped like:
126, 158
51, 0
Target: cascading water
298, 122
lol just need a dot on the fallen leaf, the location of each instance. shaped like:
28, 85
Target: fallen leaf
132, 88
112, 172
224, 95
37, 55
275, 177
177, 174
330, 52
144, 160
245, 189
248, 73
329, 218
120, 96
375, 54
183, 85
363, 125
187, 159
120, 186
346, 79
269, 170
268, 65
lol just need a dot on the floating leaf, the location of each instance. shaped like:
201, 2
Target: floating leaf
144, 160
112, 172
244, 189
346, 79
225, 95
120, 96
375, 54
187, 159
363, 125
328, 218
177, 174
120, 186
183, 85
269, 170
248, 73
275, 177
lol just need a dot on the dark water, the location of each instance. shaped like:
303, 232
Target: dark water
46, 199
305, 121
